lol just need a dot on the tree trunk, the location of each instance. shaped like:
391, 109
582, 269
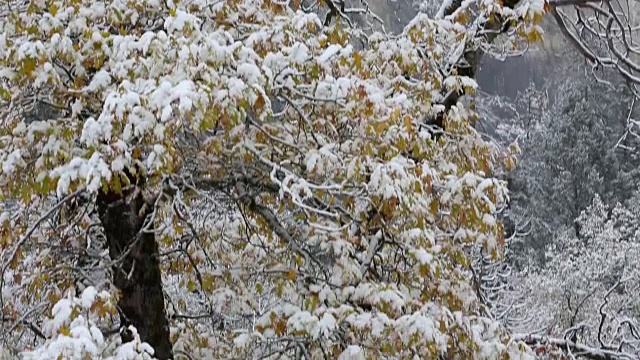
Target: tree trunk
137, 275
472, 56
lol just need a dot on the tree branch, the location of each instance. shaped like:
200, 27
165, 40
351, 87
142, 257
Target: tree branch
584, 351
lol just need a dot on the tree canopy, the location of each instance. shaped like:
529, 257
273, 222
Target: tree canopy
249, 178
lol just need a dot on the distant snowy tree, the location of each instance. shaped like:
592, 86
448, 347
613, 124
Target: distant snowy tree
586, 294
569, 154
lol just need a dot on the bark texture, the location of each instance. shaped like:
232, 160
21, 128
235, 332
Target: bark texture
472, 55
137, 275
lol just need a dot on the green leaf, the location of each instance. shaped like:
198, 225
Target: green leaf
118, 14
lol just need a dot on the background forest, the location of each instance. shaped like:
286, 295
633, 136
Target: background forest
237, 179
575, 196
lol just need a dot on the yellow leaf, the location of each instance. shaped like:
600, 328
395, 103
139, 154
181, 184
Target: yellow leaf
434, 206
534, 35
537, 17
461, 18
192, 286
280, 326
379, 127
64, 330
208, 284
5, 95
291, 275
315, 301
401, 144
357, 60
28, 66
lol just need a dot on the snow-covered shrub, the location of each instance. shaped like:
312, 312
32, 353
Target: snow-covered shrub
73, 332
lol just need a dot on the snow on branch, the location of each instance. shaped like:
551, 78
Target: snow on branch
605, 32
549, 345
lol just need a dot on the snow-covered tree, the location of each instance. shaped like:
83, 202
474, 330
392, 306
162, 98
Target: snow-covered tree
586, 294
569, 151
247, 178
